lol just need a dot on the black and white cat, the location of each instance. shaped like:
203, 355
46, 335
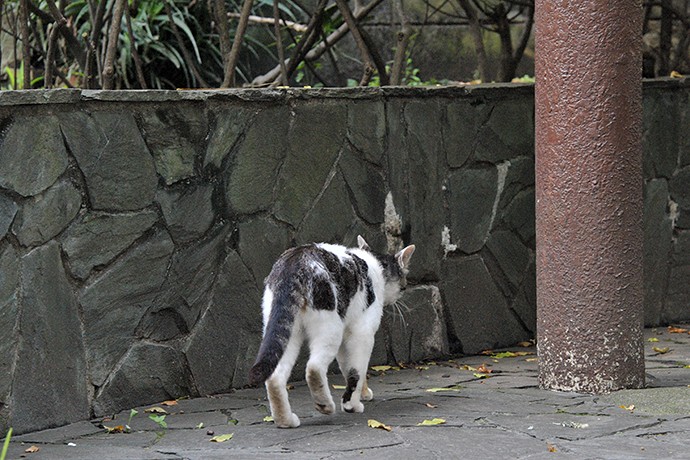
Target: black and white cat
332, 297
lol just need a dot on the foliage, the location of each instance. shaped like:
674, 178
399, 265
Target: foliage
6, 444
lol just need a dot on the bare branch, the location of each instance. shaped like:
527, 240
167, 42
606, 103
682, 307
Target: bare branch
135, 54
74, 46
229, 78
356, 34
279, 44
476, 33
221, 15
253, 19
50, 55
26, 48
402, 39
111, 50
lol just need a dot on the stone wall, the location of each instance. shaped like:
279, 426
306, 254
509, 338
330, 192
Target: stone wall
136, 228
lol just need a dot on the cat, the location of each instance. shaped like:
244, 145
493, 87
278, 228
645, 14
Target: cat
332, 297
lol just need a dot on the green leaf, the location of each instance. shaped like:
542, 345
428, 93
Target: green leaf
268, 418
381, 368
481, 376
652, 339
6, 445
432, 422
160, 420
222, 437
338, 387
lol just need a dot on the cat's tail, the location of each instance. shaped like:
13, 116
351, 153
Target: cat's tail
276, 336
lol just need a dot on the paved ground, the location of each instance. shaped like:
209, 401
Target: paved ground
502, 416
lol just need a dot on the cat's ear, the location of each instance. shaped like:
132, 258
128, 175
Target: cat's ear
403, 257
362, 244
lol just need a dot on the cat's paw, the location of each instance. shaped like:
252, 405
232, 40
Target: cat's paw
292, 421
349, 406
367, 394
327, 408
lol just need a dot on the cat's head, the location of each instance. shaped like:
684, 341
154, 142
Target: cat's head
395, 269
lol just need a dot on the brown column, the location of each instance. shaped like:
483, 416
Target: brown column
589, 194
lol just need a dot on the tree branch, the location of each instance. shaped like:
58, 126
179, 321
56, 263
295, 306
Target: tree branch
253, 19
26, 48
111, 50
402, 39
229, 78
357, 35
135, 54
279, 44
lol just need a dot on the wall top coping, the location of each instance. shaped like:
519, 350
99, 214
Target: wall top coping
71, 96
491, 90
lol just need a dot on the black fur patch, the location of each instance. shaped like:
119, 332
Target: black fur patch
352, 380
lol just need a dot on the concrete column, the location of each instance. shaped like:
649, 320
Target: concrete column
589, 194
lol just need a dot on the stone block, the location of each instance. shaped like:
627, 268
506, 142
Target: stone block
227, 125
477, 311
461, 135
175, 136
366, 185
32, 154
160, 373
189, 212
471, 198
8, 209
44, 216
187, 289
519, 215
50, 386
9, 313
525, 303
114, 302
223, 345
418, 329
511, 255
330, 218
96, 238
676, 306
367, 129
261, 242
313, 148
679, 187
424, 216
253, 171
660, 112
508, 132
116, 163
658, 237
518, 177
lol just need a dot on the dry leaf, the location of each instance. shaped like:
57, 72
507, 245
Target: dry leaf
484, 370
115, 429
431, 406
451, 388
381, 368
524, 344
156, 410
468, 368
551, 448
32, 450
432, 422
652, 339
630, 407
481, 376
172, 402
510, 354
422, 368
376, 424
661, 350
531, 360
338, 387
268, 418
675, 74
222, 437
676, 330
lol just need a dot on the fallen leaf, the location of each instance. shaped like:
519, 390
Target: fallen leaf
233, 421
431, 406
531, 360
630, 407
222, 437
432, 422
510, 354
661, 350
468, 368
172, 402
687, 366
573, 425
652, 339
484, 370
422, 368
338, 387
524, 344
675, 74
268, 418
381, 368
32, 450
156, 410
477, 375
452, 388
551, 448
676, 330
115, 429
376, 424
200, 426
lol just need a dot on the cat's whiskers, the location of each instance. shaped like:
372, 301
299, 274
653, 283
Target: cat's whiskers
398, 311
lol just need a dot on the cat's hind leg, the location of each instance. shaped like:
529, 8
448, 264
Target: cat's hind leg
324, 341
353, 358
276, 384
